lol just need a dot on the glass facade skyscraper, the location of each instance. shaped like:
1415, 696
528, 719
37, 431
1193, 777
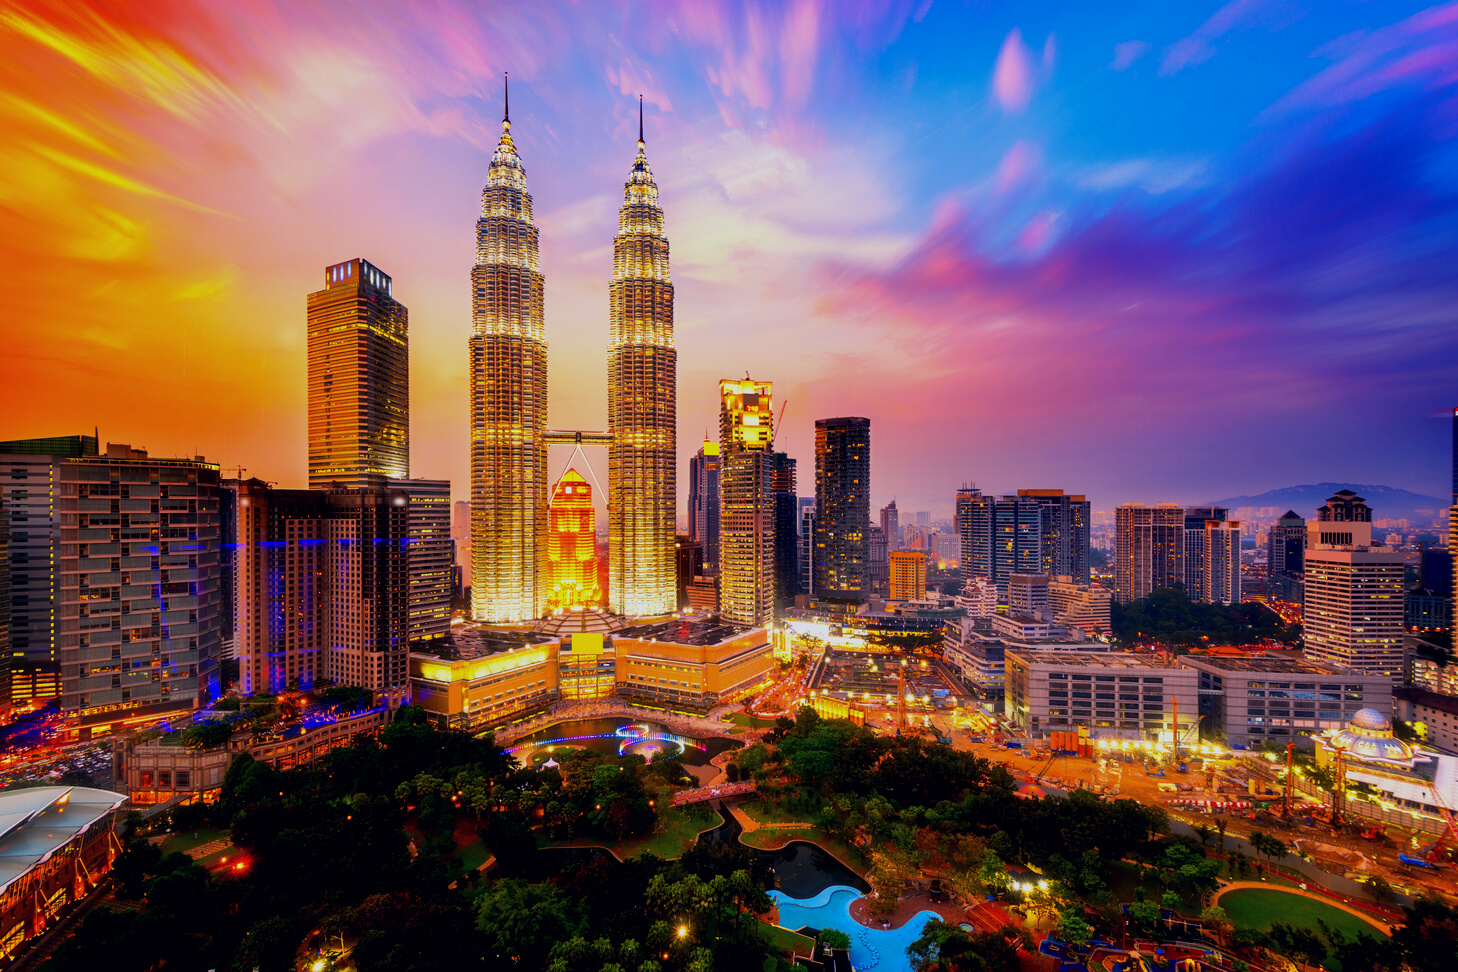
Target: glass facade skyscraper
642, 405
508, 351
746, 515
843, 506
359, 379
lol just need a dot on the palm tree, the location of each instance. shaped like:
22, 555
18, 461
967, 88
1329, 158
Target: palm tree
1203, 832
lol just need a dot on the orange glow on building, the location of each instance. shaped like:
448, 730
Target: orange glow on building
572, 578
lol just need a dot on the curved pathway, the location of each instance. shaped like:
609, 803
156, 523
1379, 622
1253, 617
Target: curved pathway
1365, 916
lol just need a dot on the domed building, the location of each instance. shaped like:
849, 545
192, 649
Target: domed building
1369, 738
1403, 777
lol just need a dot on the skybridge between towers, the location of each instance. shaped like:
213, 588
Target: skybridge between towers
572, 437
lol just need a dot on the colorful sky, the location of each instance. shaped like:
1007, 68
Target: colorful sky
1145, 251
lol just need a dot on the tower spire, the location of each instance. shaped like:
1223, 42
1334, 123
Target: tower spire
506, 100
640, 122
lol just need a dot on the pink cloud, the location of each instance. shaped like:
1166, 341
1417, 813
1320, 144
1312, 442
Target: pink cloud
799, 47
1424, 47
633, 81
1017, 166
1012, 76
1127, 53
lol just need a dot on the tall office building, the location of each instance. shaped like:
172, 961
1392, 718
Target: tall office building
1001, 536
703, 511
1353, 609
508, 351
746, 516
430, 557
642, 404
572, 546
908, 575
1149, 549
30, 490
842, 506
461, 538
1064, 527
1195, 517
807, 547
5, 699
966, 517
688, 564
359, 379
1285, 543
891, 525
787, 540
878, 562
137, 581
1219, 561
323, 591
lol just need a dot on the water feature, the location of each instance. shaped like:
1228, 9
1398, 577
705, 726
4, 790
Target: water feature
621, 737
871, 948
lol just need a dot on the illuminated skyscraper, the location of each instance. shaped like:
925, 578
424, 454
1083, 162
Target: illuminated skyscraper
359, 379
908, 575
572, 546
508, 400
842, 505
746, 515
787, 553
1220, 562
703, 511
1195, 518
891, 526
642, 404
1149, 549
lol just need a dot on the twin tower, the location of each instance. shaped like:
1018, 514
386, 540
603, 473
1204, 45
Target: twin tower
509, 433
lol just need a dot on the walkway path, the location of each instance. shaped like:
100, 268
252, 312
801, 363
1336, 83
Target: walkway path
906, 909
1366, 916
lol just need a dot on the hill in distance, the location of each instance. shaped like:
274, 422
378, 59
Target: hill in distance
1387, 502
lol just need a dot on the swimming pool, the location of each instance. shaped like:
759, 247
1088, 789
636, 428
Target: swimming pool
871, 948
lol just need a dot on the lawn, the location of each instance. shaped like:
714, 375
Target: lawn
1259, 907
473, 855
188, 839
679, 826
767, 815
785, 939
750, 722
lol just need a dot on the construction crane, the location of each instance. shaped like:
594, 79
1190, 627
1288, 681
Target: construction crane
901, 699
1337, 787
1433, 853
1290, 779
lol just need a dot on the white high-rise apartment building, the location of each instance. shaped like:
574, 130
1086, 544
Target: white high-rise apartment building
1220, 570
1353, 612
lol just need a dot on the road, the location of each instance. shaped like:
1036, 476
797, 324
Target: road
1131, 782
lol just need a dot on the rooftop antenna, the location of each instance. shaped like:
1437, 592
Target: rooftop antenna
640, 123
506, 99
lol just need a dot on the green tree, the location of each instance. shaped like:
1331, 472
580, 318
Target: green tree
1428, 938
522, 921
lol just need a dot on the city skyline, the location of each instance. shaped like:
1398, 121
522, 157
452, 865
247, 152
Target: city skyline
1157, 282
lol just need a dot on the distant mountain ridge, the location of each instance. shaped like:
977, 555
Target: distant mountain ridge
1387, 502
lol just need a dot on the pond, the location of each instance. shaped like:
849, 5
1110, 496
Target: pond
802, 869
871, 948
621, 737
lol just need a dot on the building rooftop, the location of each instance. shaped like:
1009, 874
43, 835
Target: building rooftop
1433, 700
681, 631
36, 822
1280, 665
467, 642
1089, 659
